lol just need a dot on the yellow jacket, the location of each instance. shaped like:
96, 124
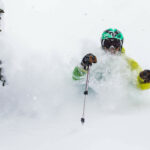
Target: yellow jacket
78, 72
135, 66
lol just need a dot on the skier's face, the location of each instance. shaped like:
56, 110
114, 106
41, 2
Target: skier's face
112, 50
112, 45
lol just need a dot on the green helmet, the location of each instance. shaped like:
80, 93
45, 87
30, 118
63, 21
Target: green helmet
112, 34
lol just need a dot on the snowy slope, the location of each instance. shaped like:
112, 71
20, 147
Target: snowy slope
41, 106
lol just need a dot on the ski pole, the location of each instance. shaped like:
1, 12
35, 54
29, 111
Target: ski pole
85, 94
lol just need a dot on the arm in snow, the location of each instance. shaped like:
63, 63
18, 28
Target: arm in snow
87, 60
141, 83
144, 80
78, 73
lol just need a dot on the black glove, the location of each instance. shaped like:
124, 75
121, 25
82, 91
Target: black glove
88, 60
145, 75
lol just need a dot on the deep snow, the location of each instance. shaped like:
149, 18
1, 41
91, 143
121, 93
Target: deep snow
41, 43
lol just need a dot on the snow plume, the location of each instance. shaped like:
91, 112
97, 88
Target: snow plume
35, 82
40, 83
112, 86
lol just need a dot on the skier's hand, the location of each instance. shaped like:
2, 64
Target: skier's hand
88, 60
145, 75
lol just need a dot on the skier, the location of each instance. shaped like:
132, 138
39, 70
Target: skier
2, 79
1, 12
112, 42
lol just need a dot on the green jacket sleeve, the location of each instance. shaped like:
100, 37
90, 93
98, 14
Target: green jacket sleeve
78, 73
140, 82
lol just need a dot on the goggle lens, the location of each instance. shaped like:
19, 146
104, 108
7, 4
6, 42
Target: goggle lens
112, 42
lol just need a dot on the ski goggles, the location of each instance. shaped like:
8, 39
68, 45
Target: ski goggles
116, 43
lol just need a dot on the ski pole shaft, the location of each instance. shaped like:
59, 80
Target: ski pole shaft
85, 93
